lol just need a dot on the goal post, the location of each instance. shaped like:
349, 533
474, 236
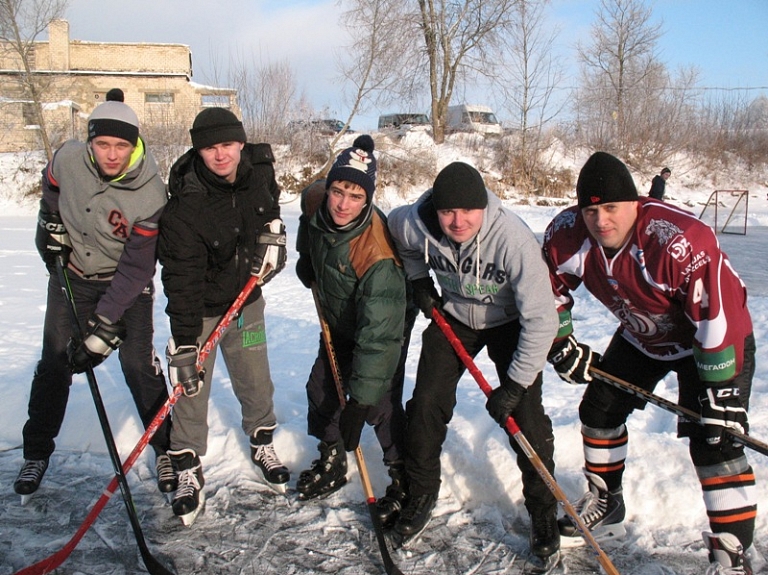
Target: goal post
726, 211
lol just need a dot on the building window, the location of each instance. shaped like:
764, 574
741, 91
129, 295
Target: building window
29, 115
163, 98
215, 101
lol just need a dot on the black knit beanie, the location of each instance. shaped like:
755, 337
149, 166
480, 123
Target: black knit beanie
214, 126
459, 186
114, 119
604, 179
357, 165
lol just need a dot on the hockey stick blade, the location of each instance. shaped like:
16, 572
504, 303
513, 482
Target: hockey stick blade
54, 561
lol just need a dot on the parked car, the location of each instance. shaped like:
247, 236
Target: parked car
323, 127
404, 121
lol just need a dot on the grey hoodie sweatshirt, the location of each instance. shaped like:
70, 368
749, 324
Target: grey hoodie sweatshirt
497, 277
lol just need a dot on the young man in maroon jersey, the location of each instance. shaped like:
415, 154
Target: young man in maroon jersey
681, 307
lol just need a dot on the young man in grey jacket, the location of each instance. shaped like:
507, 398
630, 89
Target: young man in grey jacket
495, 294
99, 214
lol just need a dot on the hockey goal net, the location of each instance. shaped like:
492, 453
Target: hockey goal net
726, 211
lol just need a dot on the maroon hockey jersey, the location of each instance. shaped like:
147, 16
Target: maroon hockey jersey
671, 287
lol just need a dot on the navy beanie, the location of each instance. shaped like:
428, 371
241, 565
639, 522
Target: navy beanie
357, 165
114, 119
604, 179
215, 126
459, 186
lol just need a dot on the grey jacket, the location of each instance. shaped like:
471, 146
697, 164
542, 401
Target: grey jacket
497, 277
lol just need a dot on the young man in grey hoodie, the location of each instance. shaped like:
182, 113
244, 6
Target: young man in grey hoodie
495, 294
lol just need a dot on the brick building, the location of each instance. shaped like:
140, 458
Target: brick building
74, 76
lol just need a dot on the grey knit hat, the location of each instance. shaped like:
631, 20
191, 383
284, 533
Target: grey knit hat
114, 119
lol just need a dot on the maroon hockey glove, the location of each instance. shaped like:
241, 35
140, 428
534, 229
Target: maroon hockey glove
721, 409
572, 360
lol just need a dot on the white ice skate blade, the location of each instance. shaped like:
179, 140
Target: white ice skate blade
25, 499
279, 488
188, 519
603, 534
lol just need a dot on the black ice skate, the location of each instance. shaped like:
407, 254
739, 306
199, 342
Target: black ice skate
388, 508
189, 498
29, 478
544, 543
327, 475
414, 519
276, 475
602, 512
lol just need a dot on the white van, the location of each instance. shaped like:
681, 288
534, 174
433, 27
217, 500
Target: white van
472, 118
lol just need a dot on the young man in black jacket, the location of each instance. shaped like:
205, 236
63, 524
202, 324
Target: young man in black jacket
221, 225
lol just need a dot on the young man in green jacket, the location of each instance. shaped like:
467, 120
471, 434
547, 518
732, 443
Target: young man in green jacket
345, 249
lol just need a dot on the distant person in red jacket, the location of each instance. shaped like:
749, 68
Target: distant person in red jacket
658, 184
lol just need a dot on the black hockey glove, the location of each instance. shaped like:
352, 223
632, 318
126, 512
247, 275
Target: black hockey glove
351, 423
572, 360
504, 400
182, 367
270, 254
304, 270
101, 339
51, 238
721, 409
425, 296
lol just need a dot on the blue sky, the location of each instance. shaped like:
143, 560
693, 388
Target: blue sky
727, 40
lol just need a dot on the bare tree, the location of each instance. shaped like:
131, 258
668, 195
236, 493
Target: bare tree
617, 63
528, 82
21, 22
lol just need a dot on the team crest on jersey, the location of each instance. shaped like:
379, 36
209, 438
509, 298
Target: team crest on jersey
664, 230
680, 249
566, 219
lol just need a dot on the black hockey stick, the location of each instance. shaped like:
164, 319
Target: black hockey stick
389, 565
513, 429
54, 561
153, 565
678, 410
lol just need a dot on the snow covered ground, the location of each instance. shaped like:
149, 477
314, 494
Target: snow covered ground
480, 525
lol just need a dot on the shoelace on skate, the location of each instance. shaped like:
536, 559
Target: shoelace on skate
267, 456
188, 483
591, 507
32, 470
164, 469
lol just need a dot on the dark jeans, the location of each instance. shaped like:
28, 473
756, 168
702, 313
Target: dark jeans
387, 418
434, 399
52, 380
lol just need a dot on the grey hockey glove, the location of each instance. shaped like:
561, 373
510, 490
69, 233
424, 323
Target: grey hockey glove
721, 409
425, 296
101, 339
270, 254
51, 238
182, 367
351, 423
572, 360
504, 400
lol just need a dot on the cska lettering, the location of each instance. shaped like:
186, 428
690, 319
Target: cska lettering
119, 224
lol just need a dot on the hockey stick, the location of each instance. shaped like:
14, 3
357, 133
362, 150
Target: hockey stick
389, 565
678, 410
54, 561
153, 565
513, 429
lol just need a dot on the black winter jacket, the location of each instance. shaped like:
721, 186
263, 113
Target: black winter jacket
208, 233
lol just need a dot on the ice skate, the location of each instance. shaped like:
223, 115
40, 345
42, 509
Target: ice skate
29, 478
726, 555
388, 508
414, 519
327, 475
544, 542
263, 455
190, 498
602, 512
166, 476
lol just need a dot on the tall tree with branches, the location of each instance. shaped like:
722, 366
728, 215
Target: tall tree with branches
21, 22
